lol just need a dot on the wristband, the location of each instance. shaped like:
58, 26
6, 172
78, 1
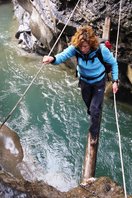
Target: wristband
53, 60
113, 81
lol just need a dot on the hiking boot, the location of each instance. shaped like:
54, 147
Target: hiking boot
93, 139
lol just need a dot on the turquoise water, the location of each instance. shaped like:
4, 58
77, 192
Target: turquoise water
51, 120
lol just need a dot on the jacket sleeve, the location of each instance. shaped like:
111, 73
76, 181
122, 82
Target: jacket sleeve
65, 55
111, 60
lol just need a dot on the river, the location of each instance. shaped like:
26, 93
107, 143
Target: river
51, 120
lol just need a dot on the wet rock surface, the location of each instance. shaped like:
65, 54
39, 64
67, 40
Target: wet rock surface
11, 152
12, 187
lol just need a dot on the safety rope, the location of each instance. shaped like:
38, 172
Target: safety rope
115, 107
10, 113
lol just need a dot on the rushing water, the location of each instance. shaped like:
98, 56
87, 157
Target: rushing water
51, 119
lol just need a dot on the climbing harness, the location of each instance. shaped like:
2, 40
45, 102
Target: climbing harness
115, 107
10, 113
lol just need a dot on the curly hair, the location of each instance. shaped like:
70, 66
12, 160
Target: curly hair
85, 34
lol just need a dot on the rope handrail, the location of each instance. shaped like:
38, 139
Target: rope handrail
13, 109
115, 107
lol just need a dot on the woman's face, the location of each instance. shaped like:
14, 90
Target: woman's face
85, 47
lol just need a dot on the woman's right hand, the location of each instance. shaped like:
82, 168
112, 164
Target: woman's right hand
48, 59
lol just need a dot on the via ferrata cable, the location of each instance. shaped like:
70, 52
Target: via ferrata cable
10, 113
115, 107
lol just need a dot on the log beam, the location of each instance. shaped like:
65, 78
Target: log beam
90, 160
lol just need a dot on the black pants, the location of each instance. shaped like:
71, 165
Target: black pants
93, 95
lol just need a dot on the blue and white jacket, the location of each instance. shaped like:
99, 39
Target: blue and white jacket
88, 68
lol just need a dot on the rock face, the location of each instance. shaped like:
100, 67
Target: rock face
41, 21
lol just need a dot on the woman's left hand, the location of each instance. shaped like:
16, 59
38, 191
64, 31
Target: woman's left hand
115, 87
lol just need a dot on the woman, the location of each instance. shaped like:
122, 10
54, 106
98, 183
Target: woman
91, 73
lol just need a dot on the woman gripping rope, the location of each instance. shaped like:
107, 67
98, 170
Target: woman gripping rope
91, 73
